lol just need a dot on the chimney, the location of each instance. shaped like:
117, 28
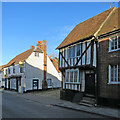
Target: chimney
31, 46
39, 44
44, 48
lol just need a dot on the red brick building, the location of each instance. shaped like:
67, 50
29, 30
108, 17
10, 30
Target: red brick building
89, 59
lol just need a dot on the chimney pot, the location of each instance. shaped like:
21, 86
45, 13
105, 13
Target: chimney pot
31, 46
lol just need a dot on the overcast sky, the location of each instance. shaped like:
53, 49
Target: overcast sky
25, 23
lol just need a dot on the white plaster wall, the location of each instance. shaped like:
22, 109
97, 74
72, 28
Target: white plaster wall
33, 69
53, 74
1, 76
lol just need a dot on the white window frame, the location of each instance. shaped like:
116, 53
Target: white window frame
113, 82
69, 70
110, 44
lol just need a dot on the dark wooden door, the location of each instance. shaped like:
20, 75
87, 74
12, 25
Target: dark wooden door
8, 84
35, 84
16, 85
90, 84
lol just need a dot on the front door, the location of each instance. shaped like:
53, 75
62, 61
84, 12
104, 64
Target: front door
8, 84
35, 84
90, 84
18, 83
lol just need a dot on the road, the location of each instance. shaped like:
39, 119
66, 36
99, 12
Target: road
14, 106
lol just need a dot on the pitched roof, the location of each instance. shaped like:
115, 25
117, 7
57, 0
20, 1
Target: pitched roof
21, 57
1, 67
112, 22
86, 28
56, 65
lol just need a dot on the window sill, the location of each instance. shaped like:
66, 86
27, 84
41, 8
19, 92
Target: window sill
73, 82
114, 50
113, 83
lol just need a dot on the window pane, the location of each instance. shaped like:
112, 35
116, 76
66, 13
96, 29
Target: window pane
73, 51
67, 78
49, 82
119, 42
111, 73
69, 52
78, 50
75, 76
71, 76
115, 73
114, 43
119, 73
65, 53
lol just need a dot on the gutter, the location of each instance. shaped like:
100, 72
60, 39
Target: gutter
81, 40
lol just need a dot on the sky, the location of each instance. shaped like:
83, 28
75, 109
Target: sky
25, 23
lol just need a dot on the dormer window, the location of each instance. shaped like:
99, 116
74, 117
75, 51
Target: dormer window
37, 54
114, 43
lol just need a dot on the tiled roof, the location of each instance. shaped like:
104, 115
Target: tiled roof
21, 57
86, 28
56, 65
1, 67
112, 22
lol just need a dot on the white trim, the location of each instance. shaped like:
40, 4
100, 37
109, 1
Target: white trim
110, 44
113, 82
109, 73
69, 70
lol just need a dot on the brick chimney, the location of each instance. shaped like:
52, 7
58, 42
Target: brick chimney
43, 46
31, 46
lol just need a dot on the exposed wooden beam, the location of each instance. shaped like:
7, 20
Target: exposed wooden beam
64, 59
92, 42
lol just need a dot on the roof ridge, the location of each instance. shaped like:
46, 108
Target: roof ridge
105, 21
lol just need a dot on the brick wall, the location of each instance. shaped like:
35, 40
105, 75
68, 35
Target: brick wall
104, 59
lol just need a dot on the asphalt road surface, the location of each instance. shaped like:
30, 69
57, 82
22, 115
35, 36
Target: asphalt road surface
14, 106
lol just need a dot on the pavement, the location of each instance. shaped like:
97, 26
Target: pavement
40, 97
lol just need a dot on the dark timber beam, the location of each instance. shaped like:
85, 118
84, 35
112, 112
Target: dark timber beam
92, 42
64, 59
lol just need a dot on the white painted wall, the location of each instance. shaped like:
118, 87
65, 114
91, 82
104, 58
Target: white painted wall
34, 69
1, 76
53, 74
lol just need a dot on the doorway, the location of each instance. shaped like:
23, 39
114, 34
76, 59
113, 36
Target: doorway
90, 84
